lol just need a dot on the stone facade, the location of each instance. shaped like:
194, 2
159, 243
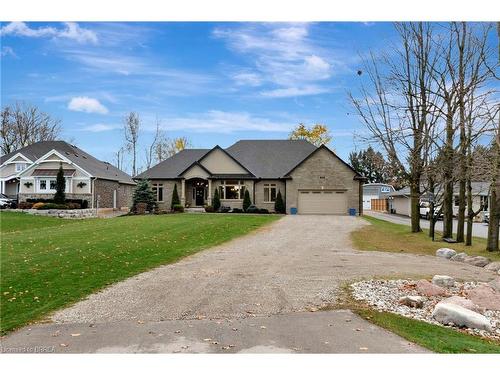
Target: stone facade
168, 189
258, 199
104, 194
323, 171
65, 214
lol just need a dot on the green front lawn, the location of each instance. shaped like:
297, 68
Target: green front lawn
383, 235
48, 263
433, 337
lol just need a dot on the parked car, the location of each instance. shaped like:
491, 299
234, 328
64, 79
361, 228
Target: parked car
425, 209
6, 202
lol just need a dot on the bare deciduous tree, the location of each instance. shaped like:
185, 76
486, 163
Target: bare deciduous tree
131, 132
399, 108
24, 124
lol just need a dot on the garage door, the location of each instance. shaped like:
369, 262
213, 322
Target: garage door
322, 202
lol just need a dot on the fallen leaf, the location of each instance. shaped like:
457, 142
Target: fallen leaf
63, 345
140, 322
184, 346
75, 334
262, 327
207, 339
178, 331
235, 329
363, 348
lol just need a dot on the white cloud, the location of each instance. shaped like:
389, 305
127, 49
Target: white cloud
216, 121
282, 55
7, 51
98, 128
71, 31
294, 91
247, 79
86, 104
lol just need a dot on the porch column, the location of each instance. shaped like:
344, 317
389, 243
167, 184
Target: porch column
209, 198
183, 192
1, 186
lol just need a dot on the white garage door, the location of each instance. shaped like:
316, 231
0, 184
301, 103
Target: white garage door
322, 202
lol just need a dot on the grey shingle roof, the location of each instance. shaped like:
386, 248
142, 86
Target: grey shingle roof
270, 158
95, 167
173, 166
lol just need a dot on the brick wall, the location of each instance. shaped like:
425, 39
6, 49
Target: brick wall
104, 192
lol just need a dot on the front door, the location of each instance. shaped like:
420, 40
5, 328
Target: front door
200, 193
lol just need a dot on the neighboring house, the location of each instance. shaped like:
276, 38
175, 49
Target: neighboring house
312, 180
375, 191
399, 201
31, 173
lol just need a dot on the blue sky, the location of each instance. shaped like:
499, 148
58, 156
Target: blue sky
212, 82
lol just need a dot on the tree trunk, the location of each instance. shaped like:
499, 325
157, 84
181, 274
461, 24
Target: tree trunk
415, 206
448, 178
492, 244
470, 214
461, 210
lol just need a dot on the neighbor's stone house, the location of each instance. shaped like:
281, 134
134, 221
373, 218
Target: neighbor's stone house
312, 180
30, 173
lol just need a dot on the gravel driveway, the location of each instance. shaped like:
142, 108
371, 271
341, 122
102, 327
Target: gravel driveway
291, 265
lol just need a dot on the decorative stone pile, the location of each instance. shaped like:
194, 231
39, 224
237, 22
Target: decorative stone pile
470, 307
83, 213
477, 261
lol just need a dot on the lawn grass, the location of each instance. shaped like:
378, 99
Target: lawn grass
383, 235
18, 221
433, 337
47, 264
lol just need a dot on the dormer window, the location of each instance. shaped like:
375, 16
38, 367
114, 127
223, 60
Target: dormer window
20, 167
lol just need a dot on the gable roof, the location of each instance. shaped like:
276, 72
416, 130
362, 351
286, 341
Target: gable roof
217, 147
90, 164
175, 165
323, 147
270, 158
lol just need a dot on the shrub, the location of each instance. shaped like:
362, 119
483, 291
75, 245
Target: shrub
59, 196
209, 209
216, 200
263, 211
73, 206
237, 210
143, 194
175, 198
279, 205
140, 208
224, 209
25, 205
178, 208
82, 202
38, 205
246, 200
53, 206
252, 209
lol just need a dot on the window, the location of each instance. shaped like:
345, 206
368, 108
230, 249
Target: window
456, 201
43, 184
158, 192
20, 167
231, 189
46, 185
53, 184
483, 201
269, 192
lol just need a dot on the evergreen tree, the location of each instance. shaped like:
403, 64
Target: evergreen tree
216, 201
59, 196
143, 194
279, 205
175, 198
246, 200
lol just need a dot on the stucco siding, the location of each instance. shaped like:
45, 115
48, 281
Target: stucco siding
401, 205
217, 162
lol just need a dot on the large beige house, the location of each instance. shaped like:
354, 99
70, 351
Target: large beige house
30, 173
312, 180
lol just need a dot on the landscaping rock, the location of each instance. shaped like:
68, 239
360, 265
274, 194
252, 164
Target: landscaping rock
450, 314
443, 281
428, 289
477, 261
463, 302
460, 257
445, 253
493, 266
495, 284
485, 297
412, 301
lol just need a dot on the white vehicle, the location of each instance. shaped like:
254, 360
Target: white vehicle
6, 202
425, 209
